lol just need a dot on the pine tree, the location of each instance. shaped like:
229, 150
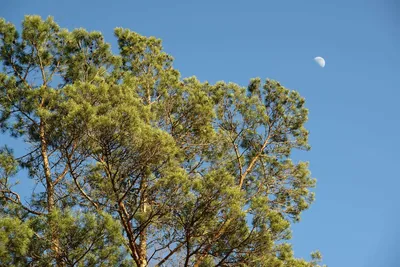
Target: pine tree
140, 166
31, 109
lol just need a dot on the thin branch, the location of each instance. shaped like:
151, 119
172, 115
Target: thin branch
169, 255
79, 187
41, 64
65, 171
253, 161
235, 247
18, 201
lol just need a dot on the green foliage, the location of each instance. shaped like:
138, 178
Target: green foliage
138, 166
15, 237
85, 239
8, 164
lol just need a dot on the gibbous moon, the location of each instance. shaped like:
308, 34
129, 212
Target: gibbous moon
320, 61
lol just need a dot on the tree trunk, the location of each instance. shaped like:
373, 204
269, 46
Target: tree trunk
55, 244
143, 237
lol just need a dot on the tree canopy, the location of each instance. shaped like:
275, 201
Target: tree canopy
135, 165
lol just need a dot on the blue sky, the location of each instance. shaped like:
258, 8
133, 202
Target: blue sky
353, 101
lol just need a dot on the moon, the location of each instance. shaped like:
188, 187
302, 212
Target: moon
320, 61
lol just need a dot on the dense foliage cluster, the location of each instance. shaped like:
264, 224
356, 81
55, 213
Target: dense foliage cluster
136, 166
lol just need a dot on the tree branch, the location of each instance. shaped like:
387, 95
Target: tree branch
18, 201
253, 161
169, 255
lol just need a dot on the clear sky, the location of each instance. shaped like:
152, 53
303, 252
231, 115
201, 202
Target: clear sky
353, 101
